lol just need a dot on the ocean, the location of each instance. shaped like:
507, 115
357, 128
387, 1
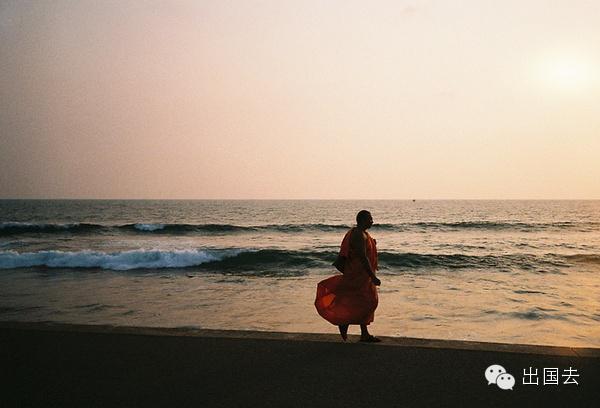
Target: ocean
501, 271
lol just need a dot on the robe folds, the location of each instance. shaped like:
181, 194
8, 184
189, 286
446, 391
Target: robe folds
351, 297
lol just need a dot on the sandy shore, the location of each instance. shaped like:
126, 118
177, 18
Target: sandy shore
46, 364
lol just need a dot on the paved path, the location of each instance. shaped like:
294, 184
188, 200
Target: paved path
49, 365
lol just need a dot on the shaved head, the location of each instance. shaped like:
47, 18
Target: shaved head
362, 216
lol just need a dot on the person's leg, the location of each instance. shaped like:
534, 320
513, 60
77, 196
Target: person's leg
344, 330
365, 336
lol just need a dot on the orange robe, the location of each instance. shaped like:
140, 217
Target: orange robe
350, 298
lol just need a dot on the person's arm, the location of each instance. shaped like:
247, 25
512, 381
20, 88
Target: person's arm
359, 247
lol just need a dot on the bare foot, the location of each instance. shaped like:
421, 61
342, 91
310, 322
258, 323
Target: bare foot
344, 331
369, 339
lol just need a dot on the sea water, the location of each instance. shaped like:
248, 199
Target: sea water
503, 271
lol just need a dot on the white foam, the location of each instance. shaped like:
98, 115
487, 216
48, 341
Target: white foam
134, 259
149, 227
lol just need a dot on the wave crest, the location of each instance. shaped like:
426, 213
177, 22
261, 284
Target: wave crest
278, 260
10, 228
125, 260
593, 259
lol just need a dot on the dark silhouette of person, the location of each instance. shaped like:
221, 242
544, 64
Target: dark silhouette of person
351, 298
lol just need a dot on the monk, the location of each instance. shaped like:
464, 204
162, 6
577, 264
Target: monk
351, 298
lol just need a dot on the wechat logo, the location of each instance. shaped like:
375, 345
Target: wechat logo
496, 374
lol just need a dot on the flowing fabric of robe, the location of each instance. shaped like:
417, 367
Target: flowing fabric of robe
351, 297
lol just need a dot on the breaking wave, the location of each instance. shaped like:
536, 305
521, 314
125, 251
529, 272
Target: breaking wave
275, 260
125, 260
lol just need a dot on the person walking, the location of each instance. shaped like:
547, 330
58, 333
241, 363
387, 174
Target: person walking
351, 298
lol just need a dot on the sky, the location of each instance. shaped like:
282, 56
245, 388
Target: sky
339, 99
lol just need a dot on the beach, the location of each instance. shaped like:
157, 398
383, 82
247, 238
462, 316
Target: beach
211, 304
50, 364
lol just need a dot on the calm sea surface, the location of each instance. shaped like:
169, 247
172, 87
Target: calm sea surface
506, 271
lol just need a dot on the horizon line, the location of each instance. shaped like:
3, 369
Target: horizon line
288, 199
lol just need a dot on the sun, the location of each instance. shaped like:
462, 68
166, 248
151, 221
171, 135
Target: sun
566, 74
569, 74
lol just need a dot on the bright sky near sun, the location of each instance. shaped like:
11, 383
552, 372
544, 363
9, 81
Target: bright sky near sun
300, 99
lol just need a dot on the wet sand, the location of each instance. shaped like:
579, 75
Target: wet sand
45, 364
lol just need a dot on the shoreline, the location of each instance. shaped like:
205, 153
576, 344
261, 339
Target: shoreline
302, 336
51, 364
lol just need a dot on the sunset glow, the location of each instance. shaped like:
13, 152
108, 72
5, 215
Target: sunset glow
568, 74
310, 99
